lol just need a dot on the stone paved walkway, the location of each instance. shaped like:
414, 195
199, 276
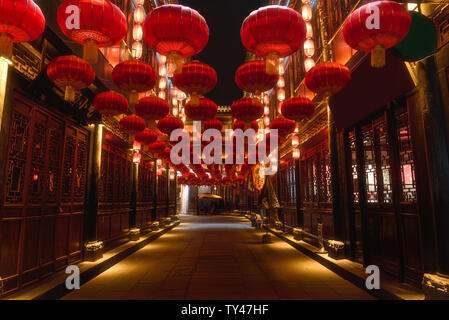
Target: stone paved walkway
217, 257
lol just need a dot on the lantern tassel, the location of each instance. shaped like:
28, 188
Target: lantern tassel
5, 46
133, 98
272, 63
69, 94
378, 58
90, 53
194, 99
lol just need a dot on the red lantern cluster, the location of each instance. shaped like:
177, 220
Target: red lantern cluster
70, 73
102, 24
176, 31
146, 137
297, 108
213, 124
205, 110
152, 108
20, 21
196, 79
394, 24
252, 77
168, 124
157, 147
273, 32
283, 126
132, 124
327, 78
247, 109
110, 103
134, 76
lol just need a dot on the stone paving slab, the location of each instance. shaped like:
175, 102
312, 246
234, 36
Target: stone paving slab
217, 258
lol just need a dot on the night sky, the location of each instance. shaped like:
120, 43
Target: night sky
224, 51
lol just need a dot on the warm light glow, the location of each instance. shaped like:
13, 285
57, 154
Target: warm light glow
137, 50
295, 141
142, 2
136, 146
180, 95
266, 121
159, 172
159, 162
309, 63
266, 110
162, 59
281, 70
162, 71
267, 130
296, 129
307, 12
412, 7
175, 112
162, 83
3, 79
139, 15
281, 94
281, 82
296, 154
266, 99
137, 157
309, 30
137, 32
309, 48
174, 101
161, 95
171, 68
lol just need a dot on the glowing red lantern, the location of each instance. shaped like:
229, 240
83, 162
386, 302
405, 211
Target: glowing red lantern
134, 77
283, 126
241, 125
252, 77
110, 103
157, 147
273, 32
327, 78
146, 137
152, 108
70, 73
205, 110
169, 124
213, 124
20, 21
196, 79
363, 32
247, 109
297, 108
177, 32
132, 124
101, 24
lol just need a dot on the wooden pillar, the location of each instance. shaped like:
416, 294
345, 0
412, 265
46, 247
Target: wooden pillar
93, 247
133, 200
435, 227
154, 211
299, 213
167, 202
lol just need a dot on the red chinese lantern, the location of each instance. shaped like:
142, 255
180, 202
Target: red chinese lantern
205, 110
110, 103
152, 108
363, 32
20, 21
177, 32
273, 32
101, 24
169, 124
132, 124
327, 78
241, 125
297, 108
157, 147
247, 110
213, 124
146, 137
134, 76
196, 79
70, 73
252, 77
283, 126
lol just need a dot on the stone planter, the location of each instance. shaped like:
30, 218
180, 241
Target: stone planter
336, 249
93, 251
278, 225
297, 234
155, 226
134, 234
